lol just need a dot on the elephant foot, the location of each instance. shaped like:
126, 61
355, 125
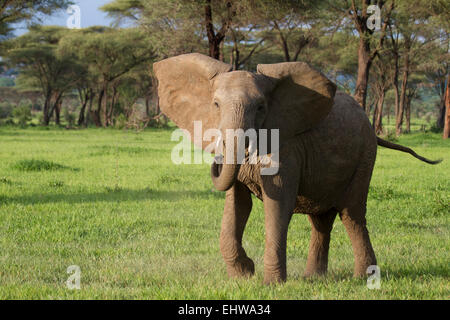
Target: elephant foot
361, 268
314, 273
241, 268
274, 278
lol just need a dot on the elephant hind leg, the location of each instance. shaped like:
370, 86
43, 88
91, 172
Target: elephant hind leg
238, 205
353, 216
355, 224
322, 225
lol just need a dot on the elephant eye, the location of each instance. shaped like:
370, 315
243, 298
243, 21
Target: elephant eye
216, 105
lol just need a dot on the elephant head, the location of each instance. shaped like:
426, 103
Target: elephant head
291, 97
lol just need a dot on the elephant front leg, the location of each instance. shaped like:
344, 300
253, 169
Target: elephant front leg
238, 205
279, 202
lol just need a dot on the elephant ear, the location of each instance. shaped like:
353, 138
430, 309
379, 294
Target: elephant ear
185, 92
300, 99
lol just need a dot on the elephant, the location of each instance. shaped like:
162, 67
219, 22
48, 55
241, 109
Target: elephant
327, 153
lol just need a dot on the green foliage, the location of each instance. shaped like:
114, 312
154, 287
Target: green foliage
13, 12
6, 110
69, 117
435, 129
23, 114
41, 67
120, 121
390, 136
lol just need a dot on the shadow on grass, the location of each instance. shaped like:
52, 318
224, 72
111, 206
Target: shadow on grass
387, 273
110, 195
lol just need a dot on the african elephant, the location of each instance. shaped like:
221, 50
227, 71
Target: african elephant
326, 155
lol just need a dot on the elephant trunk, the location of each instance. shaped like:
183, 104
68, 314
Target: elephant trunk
224, 174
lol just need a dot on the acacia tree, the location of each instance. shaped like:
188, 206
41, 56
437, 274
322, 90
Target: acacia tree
380, 83
109, 56
289, 25
179, 26
35, 55
436, 69
15, 11
412, 43
367, 52
355, 15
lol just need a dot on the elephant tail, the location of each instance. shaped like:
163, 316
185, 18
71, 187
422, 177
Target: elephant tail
398, 147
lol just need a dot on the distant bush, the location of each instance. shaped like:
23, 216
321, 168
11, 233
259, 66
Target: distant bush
435, 129
23, 114
41, 118
37, 107
6, 110
120, 122
69, 117
6, 122
390, 136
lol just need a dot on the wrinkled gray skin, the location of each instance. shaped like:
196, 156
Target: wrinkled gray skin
326, 157
324, 171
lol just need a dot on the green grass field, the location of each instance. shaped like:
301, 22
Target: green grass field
141, 227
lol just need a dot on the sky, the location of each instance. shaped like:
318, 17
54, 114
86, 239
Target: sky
90, 16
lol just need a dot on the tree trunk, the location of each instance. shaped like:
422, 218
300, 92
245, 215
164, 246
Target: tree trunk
95, 114
105, 104
446, 133
395, 85
408, 114
157, 107
221, 56
57, 108
401, 107
88, 113
215, 40
46, 111
440, 122
364, 63
236, 57
84, 100
214, 44
378, 114
111, 109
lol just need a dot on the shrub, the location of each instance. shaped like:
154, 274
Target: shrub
158, 121
69, 117
120, 122
435, 129
5, 110
7, 122
390, 136
23, 114
37, 107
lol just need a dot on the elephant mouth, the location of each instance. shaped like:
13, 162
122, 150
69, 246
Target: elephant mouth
217, 166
